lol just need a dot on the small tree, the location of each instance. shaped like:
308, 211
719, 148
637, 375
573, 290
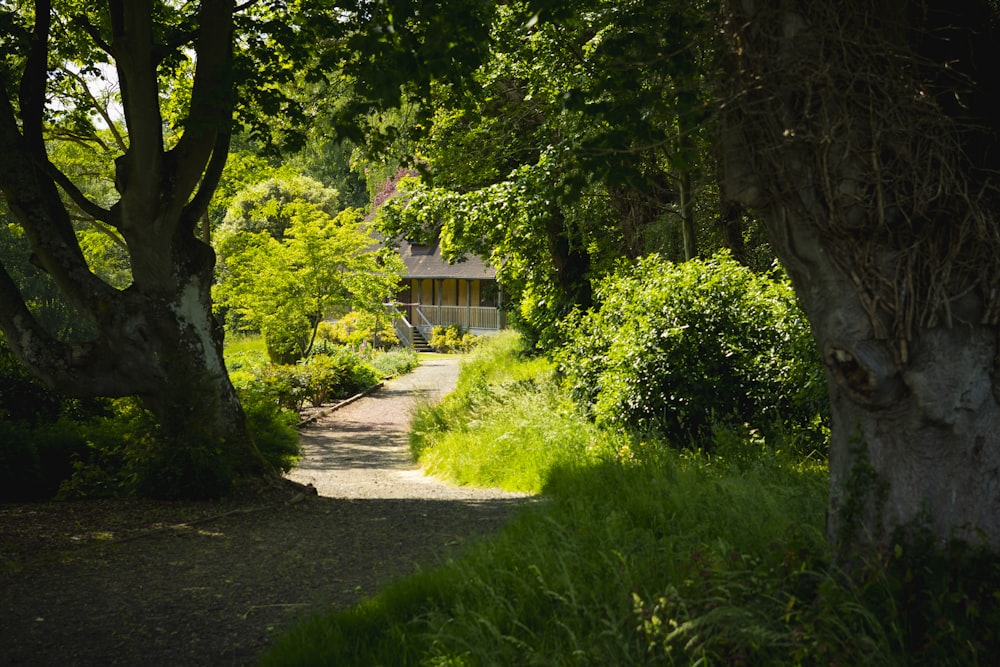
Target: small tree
285, 288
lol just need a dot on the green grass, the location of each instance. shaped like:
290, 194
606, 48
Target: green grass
522, 425
640, 555
242, 343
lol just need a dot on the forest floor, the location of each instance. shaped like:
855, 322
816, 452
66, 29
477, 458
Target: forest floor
140, 582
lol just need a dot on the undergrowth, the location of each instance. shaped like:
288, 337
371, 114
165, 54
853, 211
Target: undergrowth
637, 554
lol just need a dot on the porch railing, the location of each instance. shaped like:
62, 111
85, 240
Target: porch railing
468, 317
409, 316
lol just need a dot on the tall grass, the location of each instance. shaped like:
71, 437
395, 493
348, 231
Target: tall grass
635, 555
522, 425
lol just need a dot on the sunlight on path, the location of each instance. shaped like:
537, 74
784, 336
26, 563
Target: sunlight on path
362, 450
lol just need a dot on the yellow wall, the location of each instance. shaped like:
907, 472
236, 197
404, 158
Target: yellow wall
447, 292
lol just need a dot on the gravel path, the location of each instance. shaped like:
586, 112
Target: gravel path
362, 449
132, 582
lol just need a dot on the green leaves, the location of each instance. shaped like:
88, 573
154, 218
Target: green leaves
682, 349
286, 287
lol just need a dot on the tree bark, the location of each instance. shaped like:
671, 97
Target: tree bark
570, 261
837, 129
156, 339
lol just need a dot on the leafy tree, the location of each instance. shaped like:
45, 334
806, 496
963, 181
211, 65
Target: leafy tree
577, 142
285, 287
269, 205
156, 338
867, 135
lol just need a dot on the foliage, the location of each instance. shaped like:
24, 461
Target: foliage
42, 433
319, 379
523, 425
35, 459
271, 205
284, 288
358, 328
582, 139
393, 362
273, 428
41, 295
452, 338
681, 349
695, 561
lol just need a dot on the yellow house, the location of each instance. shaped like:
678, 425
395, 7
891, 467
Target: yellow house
438, 293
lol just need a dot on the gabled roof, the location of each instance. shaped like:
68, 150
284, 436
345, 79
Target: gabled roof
423, 261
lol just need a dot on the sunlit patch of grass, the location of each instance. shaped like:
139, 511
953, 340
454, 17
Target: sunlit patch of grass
241, 343
506, 425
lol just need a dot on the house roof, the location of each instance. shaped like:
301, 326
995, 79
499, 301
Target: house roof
425, 261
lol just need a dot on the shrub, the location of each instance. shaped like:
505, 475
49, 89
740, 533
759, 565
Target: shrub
334, 376
273, 430
283, 384
319, 379
397, 361
42, 434
680, 350
359, 328
114, 445
451, 338
286, 337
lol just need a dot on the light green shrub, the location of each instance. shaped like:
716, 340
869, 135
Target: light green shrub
396, 361
452, 338
356, 329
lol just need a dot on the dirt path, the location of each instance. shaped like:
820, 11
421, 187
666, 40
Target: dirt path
143, 583
362, 450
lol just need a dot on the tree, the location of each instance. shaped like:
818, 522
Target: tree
155, 339
577, 141
285, 287
269, 205
867, 134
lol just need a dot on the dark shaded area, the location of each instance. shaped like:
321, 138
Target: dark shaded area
127, 583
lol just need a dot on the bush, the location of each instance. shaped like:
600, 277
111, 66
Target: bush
42, 434
397, 361
319, 379
114, 447
359, 328
335, 376
274, 432
451, 338
682, 350
286, 337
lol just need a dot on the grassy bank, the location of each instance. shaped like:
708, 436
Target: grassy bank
635, 554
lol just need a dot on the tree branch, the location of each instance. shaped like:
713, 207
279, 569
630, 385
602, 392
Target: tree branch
212, 99
80, 199
33, 197
198, 205
99, 108
94, 33
108, 231
31, 92
141, 168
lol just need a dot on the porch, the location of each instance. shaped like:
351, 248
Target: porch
477, 320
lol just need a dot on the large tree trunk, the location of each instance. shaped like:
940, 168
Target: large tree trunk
156, 339
843, 130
